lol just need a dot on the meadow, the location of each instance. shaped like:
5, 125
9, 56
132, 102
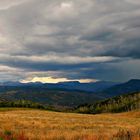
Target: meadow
31, 124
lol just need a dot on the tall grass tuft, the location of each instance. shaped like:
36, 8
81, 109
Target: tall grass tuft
9, 135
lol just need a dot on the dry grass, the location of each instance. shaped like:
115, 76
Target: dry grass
44, 125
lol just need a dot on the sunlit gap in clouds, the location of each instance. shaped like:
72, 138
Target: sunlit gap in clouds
55, 80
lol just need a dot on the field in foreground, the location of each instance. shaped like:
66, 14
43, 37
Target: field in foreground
44, 125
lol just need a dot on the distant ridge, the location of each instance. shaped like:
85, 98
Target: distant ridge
91, 87
72, 85
132, 85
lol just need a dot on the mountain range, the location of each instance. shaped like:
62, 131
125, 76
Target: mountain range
128, 87
74, 85
66, 94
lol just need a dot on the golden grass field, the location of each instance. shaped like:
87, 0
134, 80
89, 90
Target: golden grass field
45, 125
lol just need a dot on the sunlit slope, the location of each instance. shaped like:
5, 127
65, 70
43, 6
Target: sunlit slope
122, 103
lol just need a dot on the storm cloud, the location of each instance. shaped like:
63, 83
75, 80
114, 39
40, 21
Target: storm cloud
74, 39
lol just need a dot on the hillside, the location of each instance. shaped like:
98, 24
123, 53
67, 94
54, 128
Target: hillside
55, 97
127, 87
117, 104
22, 104
123, 103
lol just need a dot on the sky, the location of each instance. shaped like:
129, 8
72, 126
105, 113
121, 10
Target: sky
56, 40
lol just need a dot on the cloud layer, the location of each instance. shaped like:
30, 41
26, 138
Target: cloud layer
77, 39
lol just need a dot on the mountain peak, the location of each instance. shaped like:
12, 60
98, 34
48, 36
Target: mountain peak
134, 80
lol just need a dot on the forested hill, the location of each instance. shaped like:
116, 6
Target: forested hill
120, 103
53, 97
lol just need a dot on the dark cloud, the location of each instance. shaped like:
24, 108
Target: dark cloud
73, 39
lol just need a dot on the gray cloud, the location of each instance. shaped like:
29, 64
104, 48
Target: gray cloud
91, 39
